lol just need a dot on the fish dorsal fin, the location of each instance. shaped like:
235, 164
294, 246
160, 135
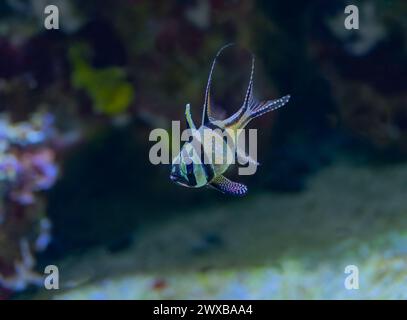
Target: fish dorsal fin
224, 185
190, 122
207, 113
249, 92
248, 101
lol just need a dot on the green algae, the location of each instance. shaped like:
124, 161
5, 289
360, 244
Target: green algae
108, 88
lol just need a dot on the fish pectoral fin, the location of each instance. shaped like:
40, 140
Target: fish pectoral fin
190, 122
224, 185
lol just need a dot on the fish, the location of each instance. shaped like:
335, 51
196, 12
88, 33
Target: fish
190, 167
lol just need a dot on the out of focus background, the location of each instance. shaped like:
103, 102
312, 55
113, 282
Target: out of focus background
77, 189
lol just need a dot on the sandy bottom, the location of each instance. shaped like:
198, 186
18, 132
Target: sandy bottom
266, 246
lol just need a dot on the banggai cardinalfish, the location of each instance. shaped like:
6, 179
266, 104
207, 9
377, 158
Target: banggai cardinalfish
189, 168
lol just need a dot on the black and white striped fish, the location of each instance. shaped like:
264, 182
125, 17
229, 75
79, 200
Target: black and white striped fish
191, 167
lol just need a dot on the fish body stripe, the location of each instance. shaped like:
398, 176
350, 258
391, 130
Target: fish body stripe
191, 174
199, 162
207, 167
191, 166
201, 168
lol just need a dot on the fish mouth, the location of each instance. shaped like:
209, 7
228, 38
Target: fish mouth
175, 178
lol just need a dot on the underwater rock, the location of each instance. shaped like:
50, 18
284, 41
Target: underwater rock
366, 70
206, 243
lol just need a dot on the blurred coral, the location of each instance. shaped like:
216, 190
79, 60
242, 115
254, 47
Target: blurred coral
27, 166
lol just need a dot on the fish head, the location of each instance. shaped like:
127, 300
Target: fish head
177, 176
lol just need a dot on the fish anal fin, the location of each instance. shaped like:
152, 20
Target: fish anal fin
224, 185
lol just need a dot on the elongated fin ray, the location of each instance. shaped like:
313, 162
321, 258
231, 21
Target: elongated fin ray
251, 107
260, 108
248, 100
256, 109
224, 185
249, 92
207, 112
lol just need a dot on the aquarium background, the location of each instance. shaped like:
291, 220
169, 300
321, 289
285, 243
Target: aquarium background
78, 190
